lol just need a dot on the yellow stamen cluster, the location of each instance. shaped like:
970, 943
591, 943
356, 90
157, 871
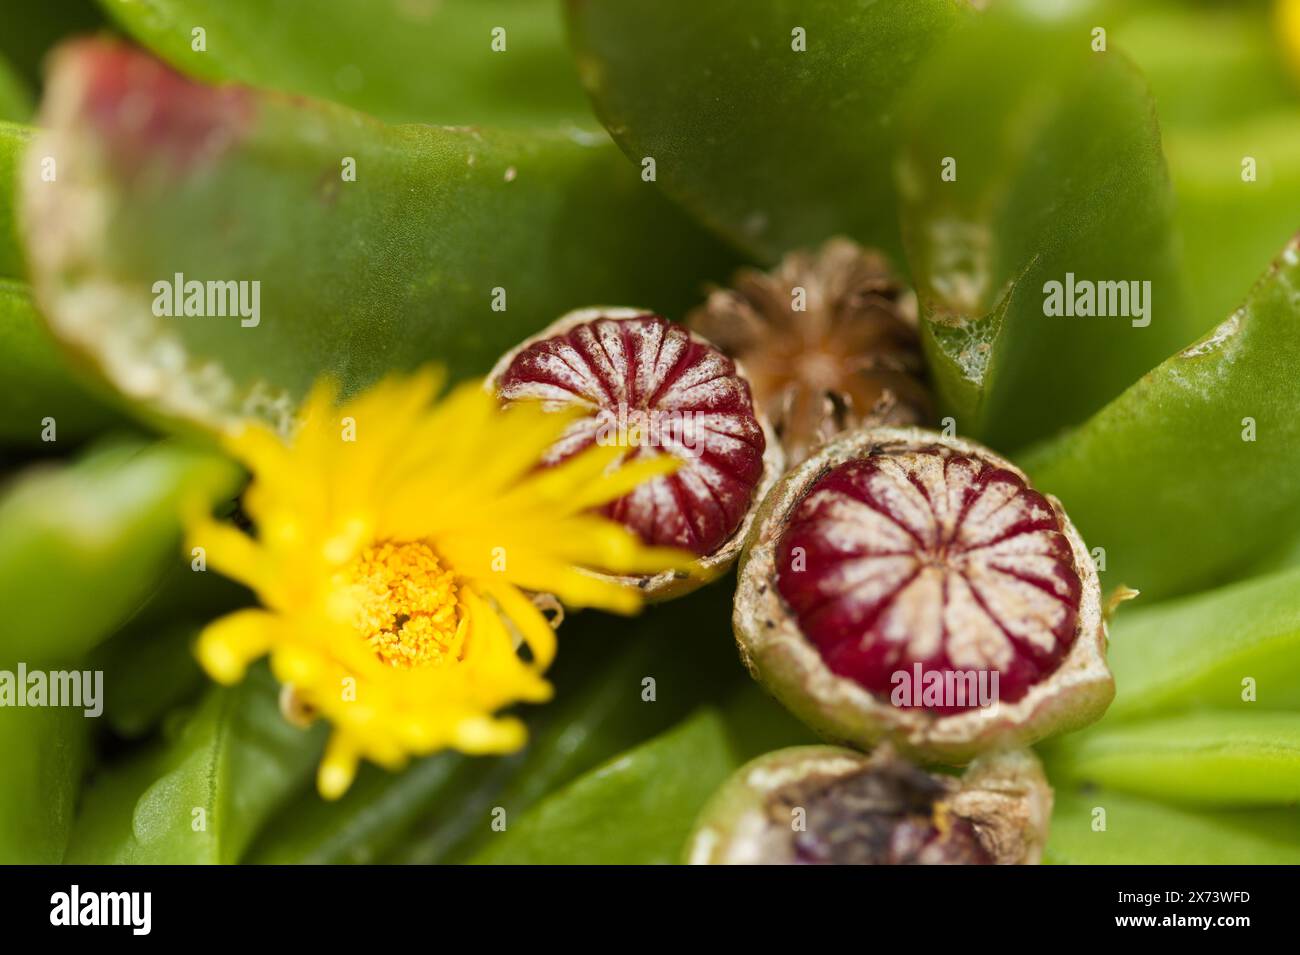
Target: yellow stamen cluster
406, 605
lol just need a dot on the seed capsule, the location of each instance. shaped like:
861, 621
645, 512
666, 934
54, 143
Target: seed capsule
829, 338
654, 387
904, 585
826, 805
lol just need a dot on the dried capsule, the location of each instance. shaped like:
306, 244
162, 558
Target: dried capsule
826, 805
907, 586
829, 339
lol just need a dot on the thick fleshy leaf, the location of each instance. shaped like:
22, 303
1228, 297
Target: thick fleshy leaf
83, 545
1030, 160
29, 30
15, 98
433, 62
35, 379
441, 808
1230, 117
776, 123
1191, 473
1238, 191
1211, 758
148, 672
199, 796
37, 386
42, 750
1108, 828
149, 664
635, 810
638, 808
1236, 648
450, 246
1208, 63
13, 140
1271, 559
182, 591
371, 817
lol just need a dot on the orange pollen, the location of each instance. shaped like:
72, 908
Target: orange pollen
406, 605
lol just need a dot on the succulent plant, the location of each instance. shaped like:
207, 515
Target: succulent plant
996, 312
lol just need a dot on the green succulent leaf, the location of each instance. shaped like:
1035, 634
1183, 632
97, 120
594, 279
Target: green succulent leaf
36, 384
451, 244
149, 664
1230, 117
1235, 648
1190, 473
1207, 62
199, 796
13, 140
43, 750
35, 379
404, 62
1238, 191
1136, 831
148, 673
28, 30
1230, 114
1210, 758
15, 98
371, 816
83, 545
638, 808
1038, 219
774, 146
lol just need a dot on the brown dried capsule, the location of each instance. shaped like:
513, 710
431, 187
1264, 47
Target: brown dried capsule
907, 586
826, 805
655, 387
829, 340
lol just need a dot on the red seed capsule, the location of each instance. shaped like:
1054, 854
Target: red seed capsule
653, 386
904, 585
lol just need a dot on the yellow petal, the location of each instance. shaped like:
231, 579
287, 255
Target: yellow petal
482, 735
612, 486
531, 622
337, 768
229, 644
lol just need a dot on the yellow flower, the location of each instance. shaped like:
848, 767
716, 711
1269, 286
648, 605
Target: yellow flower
395, 541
